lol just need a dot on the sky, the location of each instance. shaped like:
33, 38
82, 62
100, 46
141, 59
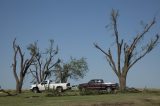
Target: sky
75, 25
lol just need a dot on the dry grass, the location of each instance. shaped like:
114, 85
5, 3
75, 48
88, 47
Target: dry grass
145, 98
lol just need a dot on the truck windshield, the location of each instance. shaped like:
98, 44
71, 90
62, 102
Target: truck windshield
96, 81
44, 82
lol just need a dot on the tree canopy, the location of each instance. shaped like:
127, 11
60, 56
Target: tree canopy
74, 69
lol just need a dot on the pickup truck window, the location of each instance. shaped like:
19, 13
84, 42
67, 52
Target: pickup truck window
92, 81
44, 82
96, 81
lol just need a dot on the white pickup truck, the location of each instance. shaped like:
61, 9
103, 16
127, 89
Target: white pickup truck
49, 85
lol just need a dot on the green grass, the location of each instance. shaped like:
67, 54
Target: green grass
147, 98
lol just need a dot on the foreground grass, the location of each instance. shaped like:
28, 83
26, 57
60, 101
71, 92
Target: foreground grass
127, 99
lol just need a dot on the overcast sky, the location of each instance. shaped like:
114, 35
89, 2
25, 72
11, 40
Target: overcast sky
75, 25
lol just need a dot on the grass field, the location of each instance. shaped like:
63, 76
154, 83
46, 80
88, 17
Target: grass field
149, 98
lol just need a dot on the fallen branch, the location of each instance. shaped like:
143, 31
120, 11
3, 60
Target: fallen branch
6, 92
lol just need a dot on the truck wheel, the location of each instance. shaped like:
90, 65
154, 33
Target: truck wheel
35, 90
59, 89
108, 90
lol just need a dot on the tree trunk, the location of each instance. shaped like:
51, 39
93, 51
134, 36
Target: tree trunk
18, 89
122, 82
19, 86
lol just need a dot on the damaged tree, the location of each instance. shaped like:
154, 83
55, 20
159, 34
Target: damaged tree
43, 66
130, 53
24, 64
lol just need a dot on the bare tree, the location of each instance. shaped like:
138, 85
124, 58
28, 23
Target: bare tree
23, 63
74, 69
44, 63
131, 53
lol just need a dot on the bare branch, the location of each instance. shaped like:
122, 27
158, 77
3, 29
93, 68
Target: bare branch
101, 49
149, 47
14, 65
141, 35
32, 72
114, 17
112, 63
58, 61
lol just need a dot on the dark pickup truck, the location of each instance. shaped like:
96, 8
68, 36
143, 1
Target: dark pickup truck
98, 84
